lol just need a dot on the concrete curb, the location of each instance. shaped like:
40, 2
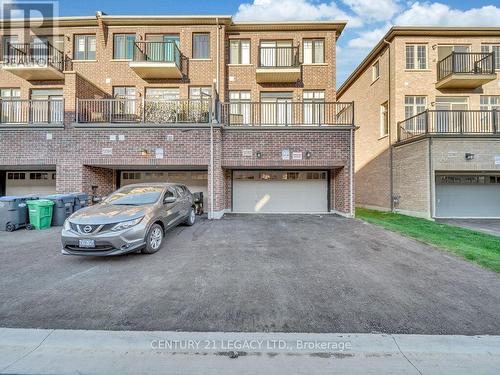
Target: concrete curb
63, 351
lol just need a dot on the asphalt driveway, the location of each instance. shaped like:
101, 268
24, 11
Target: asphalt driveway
251, 273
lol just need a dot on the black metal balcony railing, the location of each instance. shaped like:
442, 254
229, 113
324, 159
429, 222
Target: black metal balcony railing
287, 113
19, 112
466, 122
278, 57
152, 111
467, 63
158, 52
34, 54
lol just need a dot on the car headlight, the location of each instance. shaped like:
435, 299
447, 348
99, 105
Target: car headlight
127, 224
67, 226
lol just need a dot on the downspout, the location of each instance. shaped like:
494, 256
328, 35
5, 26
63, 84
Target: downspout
391, 163
432, 180
351, 171
212, 179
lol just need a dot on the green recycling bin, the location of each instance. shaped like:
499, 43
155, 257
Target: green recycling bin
40, 213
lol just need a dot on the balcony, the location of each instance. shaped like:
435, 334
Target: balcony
283, 114
278, 65
32, 112
453, 122
464, 70
143, 111
157, 60
34, 61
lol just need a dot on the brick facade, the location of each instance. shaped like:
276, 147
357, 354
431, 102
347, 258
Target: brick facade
87, 156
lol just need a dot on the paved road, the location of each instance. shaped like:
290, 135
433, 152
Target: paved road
489, 226
251, 273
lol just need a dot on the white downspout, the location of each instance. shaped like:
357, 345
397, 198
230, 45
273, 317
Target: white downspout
212, 179
351, 174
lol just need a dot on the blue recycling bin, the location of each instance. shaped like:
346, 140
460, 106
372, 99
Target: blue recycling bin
81, 200
64, 206
14, 212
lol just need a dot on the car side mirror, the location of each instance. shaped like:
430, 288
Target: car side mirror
169, 200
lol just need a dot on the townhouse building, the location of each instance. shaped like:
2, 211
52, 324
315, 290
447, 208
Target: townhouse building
427, 106
244, 112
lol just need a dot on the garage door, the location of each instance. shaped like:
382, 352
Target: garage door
466, 196
280, 191
30, 182
194, 180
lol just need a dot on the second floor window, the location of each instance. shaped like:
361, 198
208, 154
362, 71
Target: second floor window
415, 105
201, 46
375, 71
200, 92
8, 39
416, 56
496, 53
489, 103
384, 119
85, 47
123, 46
314, 51
239, 51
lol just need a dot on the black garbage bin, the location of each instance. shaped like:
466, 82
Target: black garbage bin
81, 200
14, 212
198, 202
64, 205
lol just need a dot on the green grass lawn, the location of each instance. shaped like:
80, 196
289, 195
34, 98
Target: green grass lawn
477, 247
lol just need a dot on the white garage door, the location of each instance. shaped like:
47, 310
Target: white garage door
30, 182
280, 191
466, 196
195, 181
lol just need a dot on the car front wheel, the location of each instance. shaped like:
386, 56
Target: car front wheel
154, 239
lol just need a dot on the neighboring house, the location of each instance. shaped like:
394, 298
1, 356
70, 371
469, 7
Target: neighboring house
244, 112
428, 108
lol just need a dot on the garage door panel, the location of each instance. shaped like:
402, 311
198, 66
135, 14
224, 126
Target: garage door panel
277, 195
196, 181
30, 182
468, 197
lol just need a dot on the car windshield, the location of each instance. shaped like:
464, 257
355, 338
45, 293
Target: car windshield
135, 195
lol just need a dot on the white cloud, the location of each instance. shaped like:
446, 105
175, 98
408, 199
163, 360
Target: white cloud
367, 39
438, 14
374, 10
293, 10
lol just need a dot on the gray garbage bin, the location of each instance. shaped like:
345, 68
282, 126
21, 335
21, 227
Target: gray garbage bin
14, 212
64, 205
80, 200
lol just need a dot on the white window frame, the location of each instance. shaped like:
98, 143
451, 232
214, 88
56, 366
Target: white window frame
415, 59
376, 71
417, 123
238, 60
489, 47
310, 58
384, 119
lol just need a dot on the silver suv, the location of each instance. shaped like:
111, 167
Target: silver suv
133, 218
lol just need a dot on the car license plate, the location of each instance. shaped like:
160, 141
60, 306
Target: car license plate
86, 243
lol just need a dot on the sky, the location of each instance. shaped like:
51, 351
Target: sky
368, 20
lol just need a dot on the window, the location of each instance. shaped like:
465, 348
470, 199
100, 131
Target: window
489, 103
239, 51
416, 56
10, 93
162, 94
201, 46
85, 47
16, 176
124, 109
276, 108
5, 44
123, 46
39, 176
314, 51
240, 107
384, 119
413, 106
200, 93
375, 71
11, 108
314, 107
496, 53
